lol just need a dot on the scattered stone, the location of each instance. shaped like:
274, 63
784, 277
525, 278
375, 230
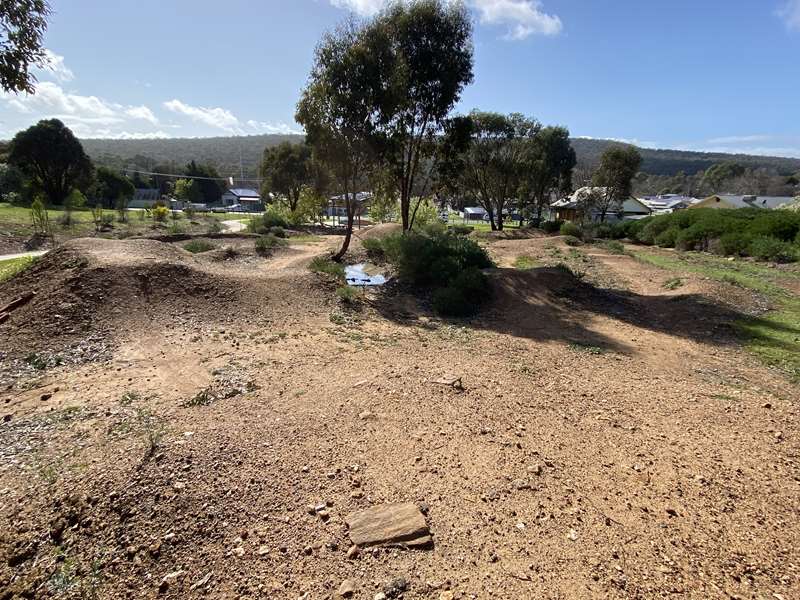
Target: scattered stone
572, 535
379, 596
202, 582
45, 397
447, 595
672, 512
452, 381
395, 588
347, 589
389, 524
521, 484
353, 552
238, 551
263, 550
535, 469
169, 579
367, 416
767, 405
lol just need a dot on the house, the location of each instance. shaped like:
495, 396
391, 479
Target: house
249, 200
337, 205
144, 198
570, 209
668, 203
473, 213
734, 202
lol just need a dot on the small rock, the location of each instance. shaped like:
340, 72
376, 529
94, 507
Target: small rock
395, 588
263, 550
367, 416
448, 595
238, 551
521, 484
672, 512
572, 535
169, 579
535, 469
353, 552
347, 589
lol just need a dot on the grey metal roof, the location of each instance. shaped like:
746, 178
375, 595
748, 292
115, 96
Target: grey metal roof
244, 193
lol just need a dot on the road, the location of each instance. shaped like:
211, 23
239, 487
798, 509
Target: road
234, 226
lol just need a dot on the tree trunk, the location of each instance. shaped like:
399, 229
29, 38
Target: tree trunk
500, 220
348, 234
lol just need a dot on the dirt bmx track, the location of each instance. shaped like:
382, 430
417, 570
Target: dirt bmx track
168, 419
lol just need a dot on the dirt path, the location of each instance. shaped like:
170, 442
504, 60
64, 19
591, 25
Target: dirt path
234, 226
597, 449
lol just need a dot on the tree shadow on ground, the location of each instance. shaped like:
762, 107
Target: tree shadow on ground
551, 304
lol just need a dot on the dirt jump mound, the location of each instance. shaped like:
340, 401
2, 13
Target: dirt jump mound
92, 285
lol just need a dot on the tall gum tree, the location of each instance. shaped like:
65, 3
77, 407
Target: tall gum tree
336, 110
425, 56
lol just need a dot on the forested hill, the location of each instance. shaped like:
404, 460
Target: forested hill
225, 152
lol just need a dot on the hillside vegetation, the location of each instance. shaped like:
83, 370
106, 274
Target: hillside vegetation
224, 152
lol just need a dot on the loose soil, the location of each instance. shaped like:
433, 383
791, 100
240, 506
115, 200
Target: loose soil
169, 418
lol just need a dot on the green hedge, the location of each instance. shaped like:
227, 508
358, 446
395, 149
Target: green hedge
763, 234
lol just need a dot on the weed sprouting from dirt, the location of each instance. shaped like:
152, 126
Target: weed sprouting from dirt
199, 246
673, 283
325, 266
525, 263
348, 295
586, 348
204, 397
129, 398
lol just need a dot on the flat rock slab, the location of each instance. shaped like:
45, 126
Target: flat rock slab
389, 524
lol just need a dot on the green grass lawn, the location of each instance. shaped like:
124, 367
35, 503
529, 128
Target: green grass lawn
774, 336
12, 266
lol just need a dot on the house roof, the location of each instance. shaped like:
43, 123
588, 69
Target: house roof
629, 205
736, 201
244, 193
360, 197
474, 210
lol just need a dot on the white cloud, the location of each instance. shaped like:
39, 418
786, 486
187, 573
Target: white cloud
220, 118
266, 127
142, 112
56, 67
523, 17
790, 13
365, 8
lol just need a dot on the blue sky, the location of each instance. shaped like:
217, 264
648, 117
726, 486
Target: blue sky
716, 75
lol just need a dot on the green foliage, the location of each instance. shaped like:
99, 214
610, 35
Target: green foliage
427, 214
431, 259
52, 159
309, 208
160, 213
613, 247
40, 218
673, 283
273, 217
571, 240
552, 226
347, 294
374, 247
326, 266
23, 25
463, 295
208, 182
266, 243
461, 229
772, 249
286, 170
188, 190
570, 229
734, 243
198, 246
525, 263
13, 266
667, 238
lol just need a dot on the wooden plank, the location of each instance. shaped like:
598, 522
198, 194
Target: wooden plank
389, 524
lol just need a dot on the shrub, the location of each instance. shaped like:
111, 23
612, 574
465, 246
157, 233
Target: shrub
572, 241
614, 247
262, 224
780, 224
266, 243
198, 246
461, 229
570, 229
160, 213
667, 238
733, 244
552, 226
463, 295
214, 226
654, 227
189, 211
417, 255
347, 294
604, 231
324, 265
772, 249
373, 247
277, 231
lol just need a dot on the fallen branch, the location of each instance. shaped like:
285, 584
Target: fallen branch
17, 302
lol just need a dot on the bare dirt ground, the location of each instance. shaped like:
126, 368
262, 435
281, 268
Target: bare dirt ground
168, 419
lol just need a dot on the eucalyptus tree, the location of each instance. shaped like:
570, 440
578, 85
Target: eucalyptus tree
614, 179
424, 52
22, 27
549, 159
286, 169
336, 109
492, 160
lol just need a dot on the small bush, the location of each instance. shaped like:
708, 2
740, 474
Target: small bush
160, 213
570, 229
461, 229
266, 243
213, 226
324, 265
263, 224
614, 247
673, 283
772, 249
733, 244
373, 247
277, 231
347, 294
198, 246
570, 240
604, 231
464, 294
552, 226
667, 238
